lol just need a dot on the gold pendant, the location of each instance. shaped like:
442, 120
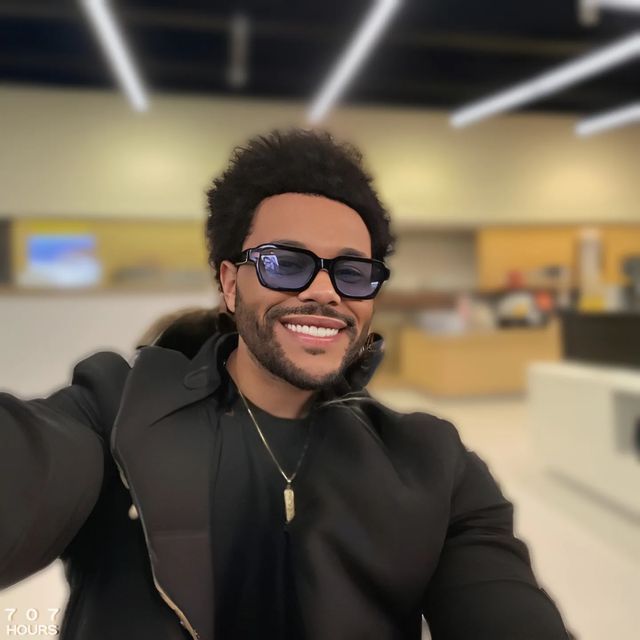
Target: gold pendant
289, 505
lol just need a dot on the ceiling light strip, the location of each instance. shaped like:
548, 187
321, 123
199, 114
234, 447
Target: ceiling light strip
104, 24
550, 82
366, 36
237, 74
629, 5
609, 120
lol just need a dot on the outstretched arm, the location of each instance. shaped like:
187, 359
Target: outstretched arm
51, 467
484, 586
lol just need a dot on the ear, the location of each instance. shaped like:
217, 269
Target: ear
228, 275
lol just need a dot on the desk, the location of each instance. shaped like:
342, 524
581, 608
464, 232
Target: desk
477, 363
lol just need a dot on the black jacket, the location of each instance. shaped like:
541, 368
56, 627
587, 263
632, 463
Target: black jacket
394, 516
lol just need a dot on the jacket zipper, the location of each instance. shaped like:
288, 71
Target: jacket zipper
163, 594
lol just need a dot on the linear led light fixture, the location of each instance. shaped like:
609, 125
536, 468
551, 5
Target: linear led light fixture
375, 21
550, 82
629, 5
238, 51
589, 10
609, 120
112, 42
623, 5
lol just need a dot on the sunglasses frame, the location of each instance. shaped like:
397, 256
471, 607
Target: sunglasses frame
326, 264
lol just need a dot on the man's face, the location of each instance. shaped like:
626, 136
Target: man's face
328, 228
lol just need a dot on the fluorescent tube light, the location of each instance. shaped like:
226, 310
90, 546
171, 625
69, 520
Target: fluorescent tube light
589, 10
550, 82
625, 5
238, 51
609, 120
112, 42
363, 41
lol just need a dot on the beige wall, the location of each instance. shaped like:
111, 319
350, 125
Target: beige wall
434, 260
87, 153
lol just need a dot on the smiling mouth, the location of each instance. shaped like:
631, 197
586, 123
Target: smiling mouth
311, 330
314, 333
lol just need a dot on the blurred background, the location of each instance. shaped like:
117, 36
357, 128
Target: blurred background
504, 137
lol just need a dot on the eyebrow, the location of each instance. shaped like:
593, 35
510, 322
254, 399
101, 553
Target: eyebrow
345, 251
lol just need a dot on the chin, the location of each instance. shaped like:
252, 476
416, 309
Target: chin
322, 375
315, 369
312, 378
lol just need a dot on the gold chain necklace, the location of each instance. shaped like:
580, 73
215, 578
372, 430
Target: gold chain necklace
289, 497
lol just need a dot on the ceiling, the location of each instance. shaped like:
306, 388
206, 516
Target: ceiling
435, 53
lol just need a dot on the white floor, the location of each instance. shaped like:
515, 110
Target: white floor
585, 554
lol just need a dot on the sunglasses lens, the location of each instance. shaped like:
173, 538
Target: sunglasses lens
282, 269
291, 270
357, 279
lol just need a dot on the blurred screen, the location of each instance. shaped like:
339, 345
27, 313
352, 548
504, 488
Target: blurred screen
61, 260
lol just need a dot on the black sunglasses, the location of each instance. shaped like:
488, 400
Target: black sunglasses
284, 268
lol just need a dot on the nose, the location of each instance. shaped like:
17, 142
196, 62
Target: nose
320, 289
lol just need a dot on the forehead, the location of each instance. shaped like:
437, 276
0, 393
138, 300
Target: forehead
323, 225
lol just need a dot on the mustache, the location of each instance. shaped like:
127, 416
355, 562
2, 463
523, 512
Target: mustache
311, 311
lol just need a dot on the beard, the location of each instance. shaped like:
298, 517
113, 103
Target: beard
265, 349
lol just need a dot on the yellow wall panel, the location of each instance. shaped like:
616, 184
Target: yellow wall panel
503, 249
619, 242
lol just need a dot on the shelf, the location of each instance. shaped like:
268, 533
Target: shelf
10, 290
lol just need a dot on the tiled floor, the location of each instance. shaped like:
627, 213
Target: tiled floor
585, 554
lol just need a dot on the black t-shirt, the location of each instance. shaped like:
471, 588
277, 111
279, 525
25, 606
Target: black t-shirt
254, 591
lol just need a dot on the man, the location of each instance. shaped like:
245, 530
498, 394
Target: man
256, 490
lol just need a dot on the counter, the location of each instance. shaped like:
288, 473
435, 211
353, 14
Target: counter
585, 422
475, 363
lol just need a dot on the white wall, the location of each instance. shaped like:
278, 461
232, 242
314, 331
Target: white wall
41, 336
82, 153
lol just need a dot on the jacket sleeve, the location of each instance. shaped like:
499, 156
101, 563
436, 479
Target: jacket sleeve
484, 586
51, 466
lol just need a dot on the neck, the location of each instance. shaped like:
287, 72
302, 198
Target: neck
272, 394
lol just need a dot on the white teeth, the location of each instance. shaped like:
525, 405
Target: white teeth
320, 332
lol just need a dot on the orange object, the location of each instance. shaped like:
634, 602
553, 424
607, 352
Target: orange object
515, 279
544, 301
